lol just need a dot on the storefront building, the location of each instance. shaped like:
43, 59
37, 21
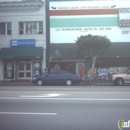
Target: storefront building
71, 19
22, 39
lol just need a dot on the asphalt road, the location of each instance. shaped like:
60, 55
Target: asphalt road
64, 108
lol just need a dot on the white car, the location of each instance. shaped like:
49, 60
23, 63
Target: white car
121, 79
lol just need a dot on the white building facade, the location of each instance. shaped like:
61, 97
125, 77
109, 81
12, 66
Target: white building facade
22, 39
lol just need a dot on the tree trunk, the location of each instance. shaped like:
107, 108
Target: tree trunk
92, 68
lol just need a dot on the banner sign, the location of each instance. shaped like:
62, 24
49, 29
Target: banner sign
22, 42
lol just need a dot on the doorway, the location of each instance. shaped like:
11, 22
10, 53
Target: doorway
24, 70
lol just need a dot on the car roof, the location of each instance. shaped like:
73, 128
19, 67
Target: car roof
60, 71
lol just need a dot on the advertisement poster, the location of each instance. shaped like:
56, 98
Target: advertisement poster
105, 74
80, 69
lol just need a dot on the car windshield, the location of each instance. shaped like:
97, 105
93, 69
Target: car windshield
128, 71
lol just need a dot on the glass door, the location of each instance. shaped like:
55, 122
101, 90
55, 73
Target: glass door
24, 70
28, 70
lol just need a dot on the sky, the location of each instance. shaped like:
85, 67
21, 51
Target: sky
10, 0
70, 0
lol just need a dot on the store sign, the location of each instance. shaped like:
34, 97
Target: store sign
105, 18
124, 17
22, 42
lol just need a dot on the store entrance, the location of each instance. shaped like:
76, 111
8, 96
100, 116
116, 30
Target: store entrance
24, 70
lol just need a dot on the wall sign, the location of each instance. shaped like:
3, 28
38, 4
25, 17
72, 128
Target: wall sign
98, 18
124, 17
22, 42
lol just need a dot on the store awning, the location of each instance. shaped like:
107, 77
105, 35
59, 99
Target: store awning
118, 50
69, 51
21, 53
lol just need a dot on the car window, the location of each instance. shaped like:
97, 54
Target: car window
53, 73
64, 73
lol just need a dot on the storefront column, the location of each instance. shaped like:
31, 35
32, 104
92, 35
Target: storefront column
43, 67
15, 70
1, 70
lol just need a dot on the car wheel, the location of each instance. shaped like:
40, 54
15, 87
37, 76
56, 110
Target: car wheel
39, 82
68, 82
119, 82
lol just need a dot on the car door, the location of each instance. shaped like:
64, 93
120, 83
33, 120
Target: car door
127, 77
50, 78
63, 75
58, 78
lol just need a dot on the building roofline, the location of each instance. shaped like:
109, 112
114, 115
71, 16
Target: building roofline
20, 5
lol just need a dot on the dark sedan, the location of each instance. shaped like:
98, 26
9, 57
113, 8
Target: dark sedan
57, 77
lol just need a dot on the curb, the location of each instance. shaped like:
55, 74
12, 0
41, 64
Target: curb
27, 83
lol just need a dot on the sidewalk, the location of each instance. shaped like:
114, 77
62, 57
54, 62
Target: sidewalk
16, 83
29, 83
103, 83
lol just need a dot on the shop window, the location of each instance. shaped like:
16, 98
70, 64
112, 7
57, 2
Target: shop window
37, 68
32, 27
5, 28
9, 70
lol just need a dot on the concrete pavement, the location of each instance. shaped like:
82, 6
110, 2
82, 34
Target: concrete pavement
85, 108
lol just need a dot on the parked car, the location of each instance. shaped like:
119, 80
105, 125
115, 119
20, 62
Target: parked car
57, 77
120, 79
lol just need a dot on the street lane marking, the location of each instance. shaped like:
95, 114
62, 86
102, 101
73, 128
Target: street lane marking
24, 113
65, 92
69, 99
58, 88
42, 95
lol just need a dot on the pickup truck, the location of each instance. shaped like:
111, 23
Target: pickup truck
121, 79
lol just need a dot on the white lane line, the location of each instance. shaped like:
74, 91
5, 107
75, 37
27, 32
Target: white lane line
24, 113
59, 88
42, 95
69, 99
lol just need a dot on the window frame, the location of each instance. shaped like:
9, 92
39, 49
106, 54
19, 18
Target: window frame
38, 29
7, 28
